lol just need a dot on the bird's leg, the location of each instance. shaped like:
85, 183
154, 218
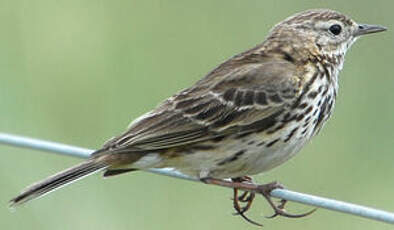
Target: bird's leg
279, 210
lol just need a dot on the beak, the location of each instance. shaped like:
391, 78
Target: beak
368, 29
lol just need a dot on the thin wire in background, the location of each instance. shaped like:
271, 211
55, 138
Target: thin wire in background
335, 205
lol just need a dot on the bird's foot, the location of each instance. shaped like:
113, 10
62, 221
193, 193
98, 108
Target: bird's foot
246, 197
251, 189
279, 210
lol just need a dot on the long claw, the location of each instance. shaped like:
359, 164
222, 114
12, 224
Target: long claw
288, 215
245, 197
249, 220
279, 209
281, 206
249, 201
241, 211
238, 207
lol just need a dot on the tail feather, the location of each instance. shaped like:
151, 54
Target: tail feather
58, 180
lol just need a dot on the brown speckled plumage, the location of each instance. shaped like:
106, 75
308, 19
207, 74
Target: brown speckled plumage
250, 114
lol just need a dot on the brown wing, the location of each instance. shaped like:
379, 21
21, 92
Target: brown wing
228, 101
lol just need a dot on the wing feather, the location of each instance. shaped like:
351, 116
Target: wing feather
239, 100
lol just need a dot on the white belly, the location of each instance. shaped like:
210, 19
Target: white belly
248, 156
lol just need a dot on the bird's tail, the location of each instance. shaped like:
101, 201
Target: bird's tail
59, 180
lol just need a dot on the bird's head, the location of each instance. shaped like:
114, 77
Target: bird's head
324, 31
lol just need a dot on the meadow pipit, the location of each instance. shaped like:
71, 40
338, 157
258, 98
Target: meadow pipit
248, 115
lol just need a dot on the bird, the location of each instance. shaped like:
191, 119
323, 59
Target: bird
248, 115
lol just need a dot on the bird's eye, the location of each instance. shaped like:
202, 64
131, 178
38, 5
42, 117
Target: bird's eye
335, 29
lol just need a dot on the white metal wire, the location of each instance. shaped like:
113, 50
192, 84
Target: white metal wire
316, 201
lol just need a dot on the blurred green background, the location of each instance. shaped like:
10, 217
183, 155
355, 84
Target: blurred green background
78, 72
